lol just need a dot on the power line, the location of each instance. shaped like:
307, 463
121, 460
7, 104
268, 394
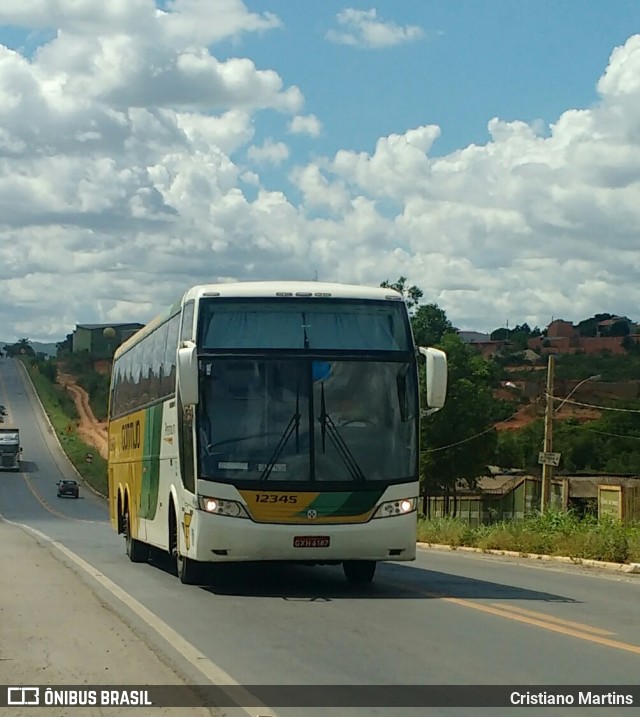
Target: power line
604, 433
458, 443
470, 438
599, 408
556, 398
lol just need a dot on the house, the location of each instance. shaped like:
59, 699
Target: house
482, 342
562, 337
616, 326
98, 341
495, 497
513, 494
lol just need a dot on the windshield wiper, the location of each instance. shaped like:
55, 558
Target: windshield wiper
293, 425
328, 426
401, 385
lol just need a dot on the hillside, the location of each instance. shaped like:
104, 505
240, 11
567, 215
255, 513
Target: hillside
49, 349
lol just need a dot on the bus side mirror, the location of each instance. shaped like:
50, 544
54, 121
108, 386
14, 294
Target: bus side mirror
188, 374
436, 378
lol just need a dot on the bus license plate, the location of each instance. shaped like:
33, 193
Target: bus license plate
311, 541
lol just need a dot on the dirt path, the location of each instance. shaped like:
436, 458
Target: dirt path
90, 429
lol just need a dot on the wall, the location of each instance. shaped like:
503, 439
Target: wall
81, 340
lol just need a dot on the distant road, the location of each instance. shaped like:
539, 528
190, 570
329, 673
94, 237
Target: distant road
446, 619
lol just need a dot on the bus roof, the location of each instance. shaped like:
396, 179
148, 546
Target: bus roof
265, 290
305, 289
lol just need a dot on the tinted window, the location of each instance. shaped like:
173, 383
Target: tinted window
186, 331
299, 324
146, 373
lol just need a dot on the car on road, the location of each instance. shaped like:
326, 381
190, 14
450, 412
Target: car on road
68, 487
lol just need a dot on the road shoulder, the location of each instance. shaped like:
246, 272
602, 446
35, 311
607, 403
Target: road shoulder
70, 637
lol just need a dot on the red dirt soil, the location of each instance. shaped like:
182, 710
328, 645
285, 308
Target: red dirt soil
526, 414
90, 429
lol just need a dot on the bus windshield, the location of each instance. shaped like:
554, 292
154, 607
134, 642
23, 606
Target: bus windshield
300, 324
303, 420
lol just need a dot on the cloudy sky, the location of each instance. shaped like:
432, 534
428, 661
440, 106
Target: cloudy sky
489, 151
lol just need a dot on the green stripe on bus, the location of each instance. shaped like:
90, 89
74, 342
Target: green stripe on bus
151, 462
344, 504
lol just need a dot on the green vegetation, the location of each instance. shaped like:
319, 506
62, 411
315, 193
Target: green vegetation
22, 347
460, 440
81, 367
62, 413
612, 367
554, 533
465, 425
610, 444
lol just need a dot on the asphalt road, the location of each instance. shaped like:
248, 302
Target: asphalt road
445, 619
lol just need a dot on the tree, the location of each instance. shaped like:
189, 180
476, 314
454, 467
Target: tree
21, 347
501, 334
518, 336
430, 325
630, 346
411, 294
620, 328
459, 441
509, 450
66, 346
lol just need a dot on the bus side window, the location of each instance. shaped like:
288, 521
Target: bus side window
186, 329
185, 426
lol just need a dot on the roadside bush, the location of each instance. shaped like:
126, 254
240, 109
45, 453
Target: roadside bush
634, 545
62, 413
554, 533
80, 366
446, 531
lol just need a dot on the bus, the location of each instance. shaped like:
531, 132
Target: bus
271, 421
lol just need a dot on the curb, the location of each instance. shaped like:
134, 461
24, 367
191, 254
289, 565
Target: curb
632, 568
25, 375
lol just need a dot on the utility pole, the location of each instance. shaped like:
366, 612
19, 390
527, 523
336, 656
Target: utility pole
547, 470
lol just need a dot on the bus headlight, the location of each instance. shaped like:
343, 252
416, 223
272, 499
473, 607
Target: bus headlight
396, 507
230, 508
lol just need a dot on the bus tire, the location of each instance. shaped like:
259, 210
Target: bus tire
359, 572
185, 568
137, 551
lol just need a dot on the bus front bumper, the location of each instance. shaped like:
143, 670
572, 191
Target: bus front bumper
224, 539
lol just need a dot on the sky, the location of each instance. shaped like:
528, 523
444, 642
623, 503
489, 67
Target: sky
487, 151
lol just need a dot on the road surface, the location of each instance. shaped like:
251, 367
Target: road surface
446, 619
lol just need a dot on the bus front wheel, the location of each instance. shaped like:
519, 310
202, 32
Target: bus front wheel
185, 568
359, 571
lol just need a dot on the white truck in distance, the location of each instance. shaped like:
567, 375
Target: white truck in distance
10, 449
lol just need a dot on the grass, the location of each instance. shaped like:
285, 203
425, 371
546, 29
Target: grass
62, 413
555, 533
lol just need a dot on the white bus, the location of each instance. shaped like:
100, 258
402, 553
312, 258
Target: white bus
271, 421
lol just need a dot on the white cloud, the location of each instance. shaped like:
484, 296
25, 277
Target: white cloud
270, 152
362, 28
129, 170
308, 124
183, 22
318, 192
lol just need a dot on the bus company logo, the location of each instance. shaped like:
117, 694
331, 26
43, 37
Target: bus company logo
130, 435
311, 514
23, 696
